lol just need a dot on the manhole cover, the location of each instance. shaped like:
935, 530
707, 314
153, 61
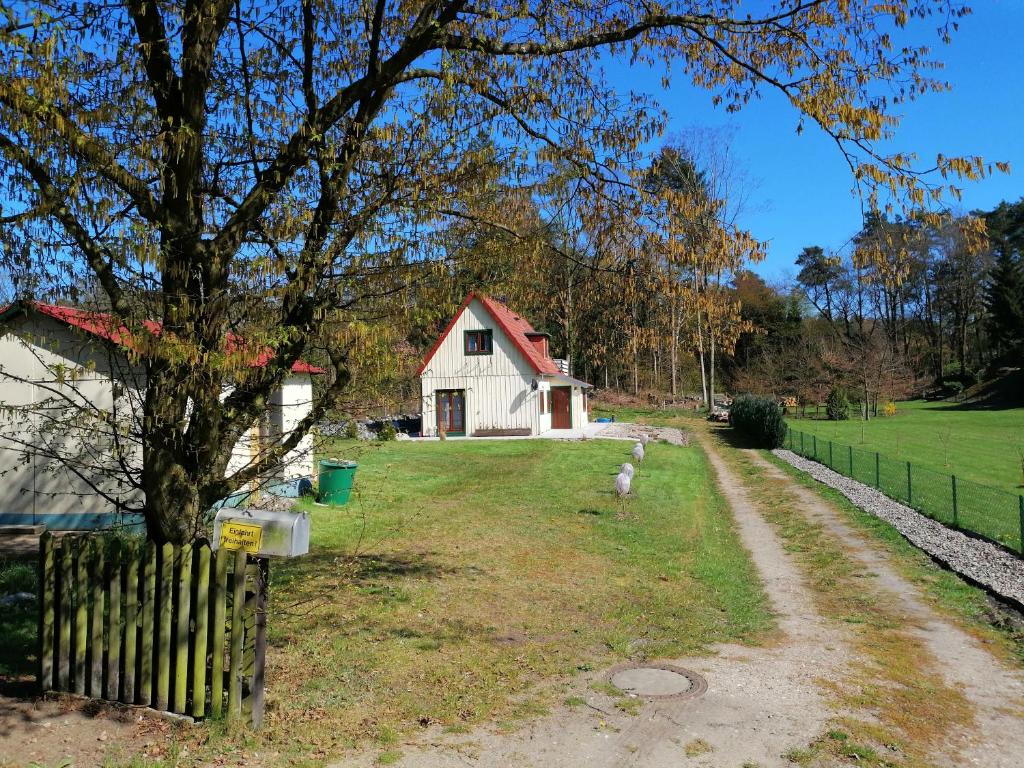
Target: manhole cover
657, 681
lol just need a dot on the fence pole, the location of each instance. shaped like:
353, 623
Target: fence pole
64, 641
81, 613
148, 609
112, 679
219, 601
830, 464
849, 448
237, 636
47, 572
164, 607
878, 471
184, 570
1020, 501
202, 611
260, 660
803, 451
910, 493
956, 520
815, 439
131, 626
96, 620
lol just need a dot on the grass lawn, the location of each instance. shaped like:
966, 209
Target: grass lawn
985, 446
472, 581
18, 625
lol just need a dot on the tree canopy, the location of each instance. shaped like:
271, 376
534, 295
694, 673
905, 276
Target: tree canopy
233, 166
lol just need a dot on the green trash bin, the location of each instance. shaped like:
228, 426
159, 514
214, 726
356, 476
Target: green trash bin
336, 477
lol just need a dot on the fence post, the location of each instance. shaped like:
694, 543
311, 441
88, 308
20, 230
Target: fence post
81, 613
1020, 500
815, 439
112, 679
803, 451
47, 573
956, 520
850, 450
64, 640
878, 471
910, 493
180, 642
237, 636
131, 626
830, 464
260, 660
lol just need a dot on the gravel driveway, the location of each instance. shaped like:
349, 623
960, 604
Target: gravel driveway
978, 560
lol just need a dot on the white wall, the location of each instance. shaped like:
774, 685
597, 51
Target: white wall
62, 390
579, 408
498, 386
36, 354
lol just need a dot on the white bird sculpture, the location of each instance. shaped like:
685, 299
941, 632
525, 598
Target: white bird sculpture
627, 469
638, 452
622, 483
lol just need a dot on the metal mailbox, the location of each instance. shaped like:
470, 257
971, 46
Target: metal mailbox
262, 532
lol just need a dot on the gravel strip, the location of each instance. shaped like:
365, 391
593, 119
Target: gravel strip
622, 430
978, 560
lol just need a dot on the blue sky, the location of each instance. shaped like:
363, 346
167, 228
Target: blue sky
802, 186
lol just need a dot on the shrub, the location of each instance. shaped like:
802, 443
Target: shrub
387, 431
889, 409
16, 577
838, 405
760, 419
352, 429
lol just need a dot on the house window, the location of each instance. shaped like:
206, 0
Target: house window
479, 342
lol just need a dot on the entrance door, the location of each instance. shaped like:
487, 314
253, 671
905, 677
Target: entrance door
561, 413
451, 411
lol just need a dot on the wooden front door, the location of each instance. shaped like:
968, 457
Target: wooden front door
451, 411
561, 410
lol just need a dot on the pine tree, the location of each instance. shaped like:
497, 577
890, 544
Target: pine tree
1004, 296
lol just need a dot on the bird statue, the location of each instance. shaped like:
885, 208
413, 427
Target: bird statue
638, 452
627, 470
622, 483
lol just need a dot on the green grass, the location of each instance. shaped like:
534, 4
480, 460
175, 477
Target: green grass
471, 582
975, 444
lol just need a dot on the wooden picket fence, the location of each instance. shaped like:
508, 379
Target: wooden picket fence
177, 628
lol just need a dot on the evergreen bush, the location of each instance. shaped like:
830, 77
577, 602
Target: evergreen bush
760, 419
838, 405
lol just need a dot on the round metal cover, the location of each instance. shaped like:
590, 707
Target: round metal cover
657, 681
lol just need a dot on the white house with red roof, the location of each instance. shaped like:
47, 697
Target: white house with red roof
490, 373
69, 387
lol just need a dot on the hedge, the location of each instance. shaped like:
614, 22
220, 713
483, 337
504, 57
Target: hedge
758, 418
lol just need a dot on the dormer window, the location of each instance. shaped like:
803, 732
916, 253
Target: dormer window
479, 342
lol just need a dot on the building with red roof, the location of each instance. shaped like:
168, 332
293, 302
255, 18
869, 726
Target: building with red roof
491, 373
70, 413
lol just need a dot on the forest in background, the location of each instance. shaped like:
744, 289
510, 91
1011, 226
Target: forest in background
648, 290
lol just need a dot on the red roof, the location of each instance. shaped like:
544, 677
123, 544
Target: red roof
106, 327
513, 325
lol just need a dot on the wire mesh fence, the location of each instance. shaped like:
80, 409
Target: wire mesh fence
989, 512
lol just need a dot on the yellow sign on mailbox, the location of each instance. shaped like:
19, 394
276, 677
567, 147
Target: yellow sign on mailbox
244, 536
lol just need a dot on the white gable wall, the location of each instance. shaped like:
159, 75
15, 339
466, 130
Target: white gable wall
31, 352
498, 386
46, 365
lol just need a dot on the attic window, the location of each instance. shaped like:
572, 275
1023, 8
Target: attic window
479, 342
